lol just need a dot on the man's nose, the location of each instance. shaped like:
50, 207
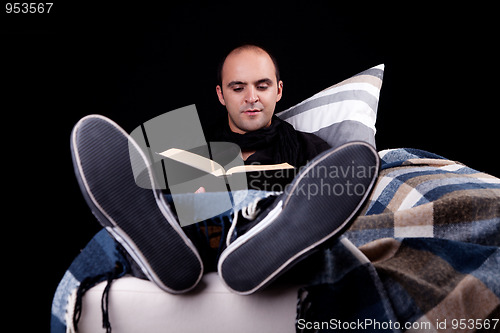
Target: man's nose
251, 96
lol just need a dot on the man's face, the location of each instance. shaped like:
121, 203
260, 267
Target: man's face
249, 90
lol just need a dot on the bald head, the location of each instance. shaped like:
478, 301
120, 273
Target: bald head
247, 47
249, 88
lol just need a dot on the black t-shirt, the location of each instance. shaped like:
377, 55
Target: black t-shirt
310, 146
278, 143
275, 144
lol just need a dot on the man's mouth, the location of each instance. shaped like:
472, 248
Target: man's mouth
251, 111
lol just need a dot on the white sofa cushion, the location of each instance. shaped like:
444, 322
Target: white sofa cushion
138, 306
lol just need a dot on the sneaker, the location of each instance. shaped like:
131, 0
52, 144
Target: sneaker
319, 204
137, 218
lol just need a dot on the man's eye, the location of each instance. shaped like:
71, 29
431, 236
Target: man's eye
262, 87
237, 89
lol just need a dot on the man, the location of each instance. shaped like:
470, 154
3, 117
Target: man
249, 87
258, 250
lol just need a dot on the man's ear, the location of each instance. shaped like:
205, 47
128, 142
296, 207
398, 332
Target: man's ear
280, 91
220, 95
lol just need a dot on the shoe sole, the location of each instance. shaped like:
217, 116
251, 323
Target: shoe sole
293, 226
138, 218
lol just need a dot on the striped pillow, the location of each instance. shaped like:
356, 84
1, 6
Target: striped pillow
342, 113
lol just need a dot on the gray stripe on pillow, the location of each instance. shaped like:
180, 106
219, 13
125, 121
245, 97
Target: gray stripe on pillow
346, 131
333, 98
373, 72
370, 79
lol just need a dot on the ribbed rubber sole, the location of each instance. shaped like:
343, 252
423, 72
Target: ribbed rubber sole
138, 218
319, 204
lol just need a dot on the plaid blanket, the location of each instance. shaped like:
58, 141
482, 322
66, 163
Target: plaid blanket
97, 262
422, 257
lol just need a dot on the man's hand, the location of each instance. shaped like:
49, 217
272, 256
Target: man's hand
200, 190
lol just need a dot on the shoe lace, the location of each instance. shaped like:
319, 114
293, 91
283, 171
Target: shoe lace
88, 283
249, 212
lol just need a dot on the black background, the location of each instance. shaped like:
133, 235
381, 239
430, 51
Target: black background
134, 61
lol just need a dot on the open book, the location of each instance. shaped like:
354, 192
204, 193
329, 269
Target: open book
209, 166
